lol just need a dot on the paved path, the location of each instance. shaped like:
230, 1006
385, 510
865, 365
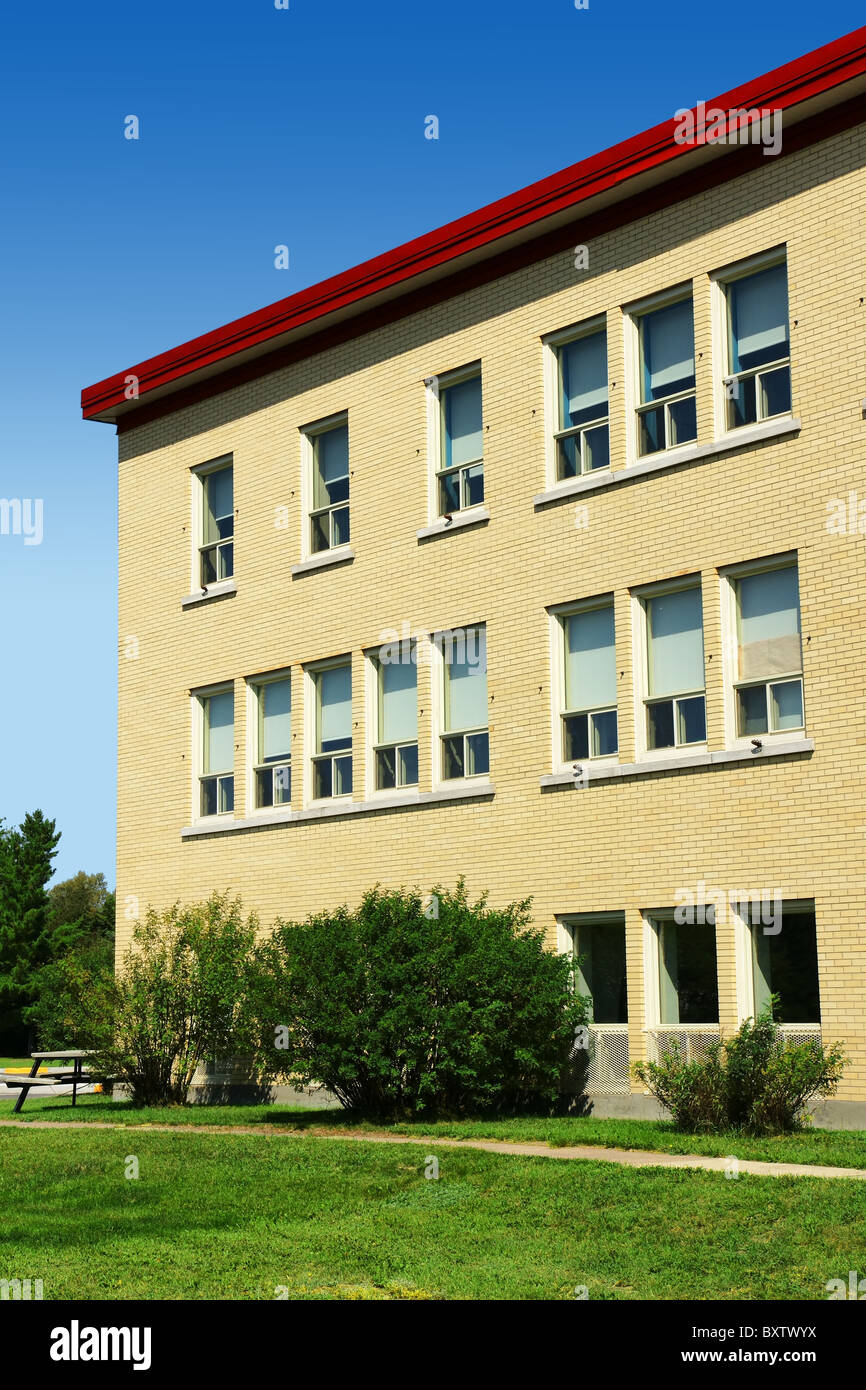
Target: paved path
627, 1158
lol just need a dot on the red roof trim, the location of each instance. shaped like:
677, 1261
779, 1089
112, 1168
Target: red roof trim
795, 82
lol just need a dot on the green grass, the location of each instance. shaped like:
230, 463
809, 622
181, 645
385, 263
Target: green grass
237, 1217
835, 1148
15, 1062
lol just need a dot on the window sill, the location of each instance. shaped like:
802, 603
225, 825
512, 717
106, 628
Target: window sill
670, 458
220, 590
607, 771
472, 516
335, 811
340, 555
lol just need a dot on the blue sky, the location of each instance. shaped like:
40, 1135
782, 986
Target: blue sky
258, 127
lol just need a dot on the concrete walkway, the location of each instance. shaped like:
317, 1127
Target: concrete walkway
627, 1158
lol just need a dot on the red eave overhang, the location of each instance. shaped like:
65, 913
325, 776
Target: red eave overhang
539, 217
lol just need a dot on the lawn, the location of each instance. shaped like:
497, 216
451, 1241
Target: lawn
835, 1148
244, 1216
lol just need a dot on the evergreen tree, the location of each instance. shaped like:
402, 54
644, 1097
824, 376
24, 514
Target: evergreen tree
26, 856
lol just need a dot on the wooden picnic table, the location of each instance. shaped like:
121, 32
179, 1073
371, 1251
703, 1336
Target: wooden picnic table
52, 1075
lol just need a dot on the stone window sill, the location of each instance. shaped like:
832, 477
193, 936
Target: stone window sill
221, 590
603, 772
473, 516
340, 555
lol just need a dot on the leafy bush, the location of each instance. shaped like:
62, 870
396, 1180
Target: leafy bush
754, 1081
183, 995
403, 1011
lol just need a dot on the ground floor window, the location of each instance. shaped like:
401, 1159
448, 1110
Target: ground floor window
688, 977
599, 948
785, 963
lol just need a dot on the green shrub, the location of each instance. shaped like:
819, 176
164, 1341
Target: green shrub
182, 996
754, 1081
401, 1010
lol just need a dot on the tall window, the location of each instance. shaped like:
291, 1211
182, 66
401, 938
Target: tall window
396, 746
332, 759
667, 414
599, 949
759, 351
216, 554
589, 725
216, 782
582, 436
460, 476
329, 514
465, 743
785, 963
769, 677
273, 767
688, 978
675, 709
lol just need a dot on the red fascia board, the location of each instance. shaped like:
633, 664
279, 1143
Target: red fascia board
813, 74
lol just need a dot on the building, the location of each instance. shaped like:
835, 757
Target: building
534, 551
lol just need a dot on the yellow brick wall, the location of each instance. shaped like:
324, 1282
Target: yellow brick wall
796, 824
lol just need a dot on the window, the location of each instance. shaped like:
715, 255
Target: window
675, 707
667, 413
785, 962
759, 384
599, 948
329, 513
332, 758
216, 782
216, 554
273, 755
465, 743
460, 475
396, 716
589, 724
688, 979
769, 663
582, 443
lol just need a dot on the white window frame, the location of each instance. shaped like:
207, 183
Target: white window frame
311, 671
437, 721
434, 388
197, 698
557, 614
253, 686
642, 698
569, 924
653, 921
727, 579
632, 313
721, 329
745, 962
308, 436
372, 661
551, 343
198, 473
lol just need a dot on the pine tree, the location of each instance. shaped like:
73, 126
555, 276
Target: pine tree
26, 856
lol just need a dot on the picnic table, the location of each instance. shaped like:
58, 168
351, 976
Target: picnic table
51, 1076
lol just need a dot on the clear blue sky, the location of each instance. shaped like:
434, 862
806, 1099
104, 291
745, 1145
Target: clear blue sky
258, 127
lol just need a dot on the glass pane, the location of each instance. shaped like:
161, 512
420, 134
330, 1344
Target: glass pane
583, 375
601, 973
452, 757
752, 710
478, 754
590, 659
462, 422
651, 425
759, 318
675, 641
787, 703
575, 737
226, 794
408, 756
265, 787
604, 736
331, 467
776, 392
684, 421
322, 778
690, 960
208, 796
282, 785
275, 721
596, 448
791, 967
208, 566
226, 555
465, 660
340, 526
449, 494
320, 532
386, 768
342, 776
219, 732
768, 623
743, 403
568, 456
398, 701
473, 485
667, 351
660, 725
218, 505
334, 709
692, 726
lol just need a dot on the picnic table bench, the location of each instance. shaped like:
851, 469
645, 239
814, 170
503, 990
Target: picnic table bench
51, 1076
